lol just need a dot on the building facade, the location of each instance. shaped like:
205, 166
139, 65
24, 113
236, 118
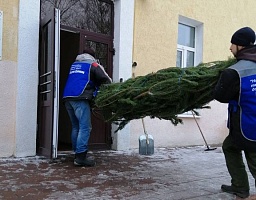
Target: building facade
180, 33
154, 34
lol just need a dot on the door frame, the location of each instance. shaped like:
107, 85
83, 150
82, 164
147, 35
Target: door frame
47, 139
56, 84
51, 148
48, 84
108, 40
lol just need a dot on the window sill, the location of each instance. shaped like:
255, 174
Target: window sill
188, 116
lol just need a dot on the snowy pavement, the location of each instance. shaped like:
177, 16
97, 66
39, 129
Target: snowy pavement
169, 174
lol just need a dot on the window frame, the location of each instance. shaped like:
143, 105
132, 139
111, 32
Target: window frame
184, 50
198, 49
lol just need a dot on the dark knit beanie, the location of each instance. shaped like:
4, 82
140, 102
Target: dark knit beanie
243, 37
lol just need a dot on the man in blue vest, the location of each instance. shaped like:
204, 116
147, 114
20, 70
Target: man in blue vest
237, 87
85, 76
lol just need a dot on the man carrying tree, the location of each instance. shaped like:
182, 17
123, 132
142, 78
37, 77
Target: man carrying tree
237, 87
85, 76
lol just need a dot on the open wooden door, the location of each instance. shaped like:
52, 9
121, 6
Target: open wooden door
103, 46
48, 98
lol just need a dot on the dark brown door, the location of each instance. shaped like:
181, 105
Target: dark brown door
103, 47
47, 86
73, 41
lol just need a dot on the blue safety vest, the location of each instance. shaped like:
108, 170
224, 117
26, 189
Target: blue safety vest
78, 79
247, 98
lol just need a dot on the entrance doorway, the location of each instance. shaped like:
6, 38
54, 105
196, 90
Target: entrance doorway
58, 49
72, 42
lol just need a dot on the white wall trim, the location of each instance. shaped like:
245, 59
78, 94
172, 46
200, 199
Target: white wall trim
27, 80
123, 44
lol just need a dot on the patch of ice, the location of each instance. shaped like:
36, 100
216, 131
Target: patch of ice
102, 176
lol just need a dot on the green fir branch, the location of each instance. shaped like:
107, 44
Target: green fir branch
164, 94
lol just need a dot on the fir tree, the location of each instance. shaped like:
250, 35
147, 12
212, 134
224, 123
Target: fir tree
163, 94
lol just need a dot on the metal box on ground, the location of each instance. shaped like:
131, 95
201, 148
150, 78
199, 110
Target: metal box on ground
146, 144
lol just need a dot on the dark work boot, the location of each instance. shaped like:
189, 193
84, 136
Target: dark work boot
81, 160
232, 190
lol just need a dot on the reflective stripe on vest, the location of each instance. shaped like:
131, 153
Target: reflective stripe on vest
247, 97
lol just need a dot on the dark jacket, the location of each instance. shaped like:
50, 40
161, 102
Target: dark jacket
228, 90
85, 76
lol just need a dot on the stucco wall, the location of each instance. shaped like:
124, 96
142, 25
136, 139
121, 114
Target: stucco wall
8, 77
156, 27
212, 123
7, 107
10, 29
123, 41
18, 77
155, 43
27, 81
154, 47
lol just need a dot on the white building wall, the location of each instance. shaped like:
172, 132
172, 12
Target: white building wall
26, 100
213, 124
27, 71
7, 107
123, 44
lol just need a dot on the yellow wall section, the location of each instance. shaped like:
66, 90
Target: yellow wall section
156, 28
8, 77
10, 29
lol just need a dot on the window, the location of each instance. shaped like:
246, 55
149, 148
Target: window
189, 45
186, 46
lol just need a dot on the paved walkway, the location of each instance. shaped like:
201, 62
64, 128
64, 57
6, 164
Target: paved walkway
169, 174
